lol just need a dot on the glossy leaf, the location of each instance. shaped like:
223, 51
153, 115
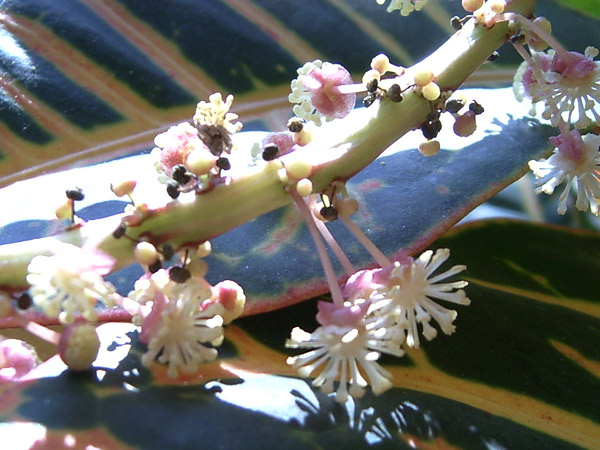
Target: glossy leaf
521, 371
83, 80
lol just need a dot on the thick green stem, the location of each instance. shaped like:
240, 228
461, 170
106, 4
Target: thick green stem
338, 152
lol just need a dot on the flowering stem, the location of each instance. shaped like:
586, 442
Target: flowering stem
379, 257
259, 190
334, 287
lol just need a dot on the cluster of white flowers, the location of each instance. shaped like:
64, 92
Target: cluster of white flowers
382, 312
215, 112
183, 322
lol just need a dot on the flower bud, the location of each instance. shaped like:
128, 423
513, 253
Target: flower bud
78, 346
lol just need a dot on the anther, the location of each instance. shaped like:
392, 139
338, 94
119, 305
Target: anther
223, 163
179, 274
120, 231
75, 194
394, 93
270, 152
295, 124
173, 189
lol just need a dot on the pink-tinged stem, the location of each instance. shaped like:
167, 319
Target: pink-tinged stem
337, 250
334, 287
348, 88
543, 34
38, 330
379, 257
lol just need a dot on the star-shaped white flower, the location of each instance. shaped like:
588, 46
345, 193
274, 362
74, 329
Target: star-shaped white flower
347, 344
404, 294
583, 173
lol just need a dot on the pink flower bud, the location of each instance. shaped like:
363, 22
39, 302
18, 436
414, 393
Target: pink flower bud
284, 140
322, 83
465, 124
17, 358
333, 314
571, 147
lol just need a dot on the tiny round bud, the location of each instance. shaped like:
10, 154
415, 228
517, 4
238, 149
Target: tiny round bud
123, 188
200, 161
423, 77
145, 253
454, 105
381, 63
120, 231
456, 23
223, 163
369, 99
65, 210
394, 93
303, 137
535, 42
465, 124
155, 266
75, 194
173, 189
167, 251
180, 174
472, 5
493, 57
496, 6
24, 301
298, 169
476, 108
270, 152
371, 80
346, 206
295, 124
304, 187
78, 345
204, 249
179, 274
329, 213
431, 91
197, 268
429, 148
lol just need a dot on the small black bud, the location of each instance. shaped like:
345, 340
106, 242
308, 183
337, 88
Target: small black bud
372, 85
493, 57
456, 23
270, 152
155, 266
75, 194
433, 115
223, 163
368, 100
173, 189
180, 174
329, 213
394, 93
431, 129
24, 301
179, 274
476, 107
295, 124
168, 251
120, 231
454, 106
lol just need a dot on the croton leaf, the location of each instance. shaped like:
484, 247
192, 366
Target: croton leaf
83, 80
521, 371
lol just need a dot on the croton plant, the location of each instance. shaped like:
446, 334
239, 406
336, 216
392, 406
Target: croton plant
303, 286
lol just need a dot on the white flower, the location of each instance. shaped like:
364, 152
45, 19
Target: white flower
347, 344
215, 112
302, 96
175, 327
403, 296
570, 89
70, 282
405, 6
583, 172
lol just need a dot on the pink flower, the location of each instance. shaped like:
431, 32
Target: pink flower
579, 65
323, 85
572, 147
17, 358
342, 316
176, 144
